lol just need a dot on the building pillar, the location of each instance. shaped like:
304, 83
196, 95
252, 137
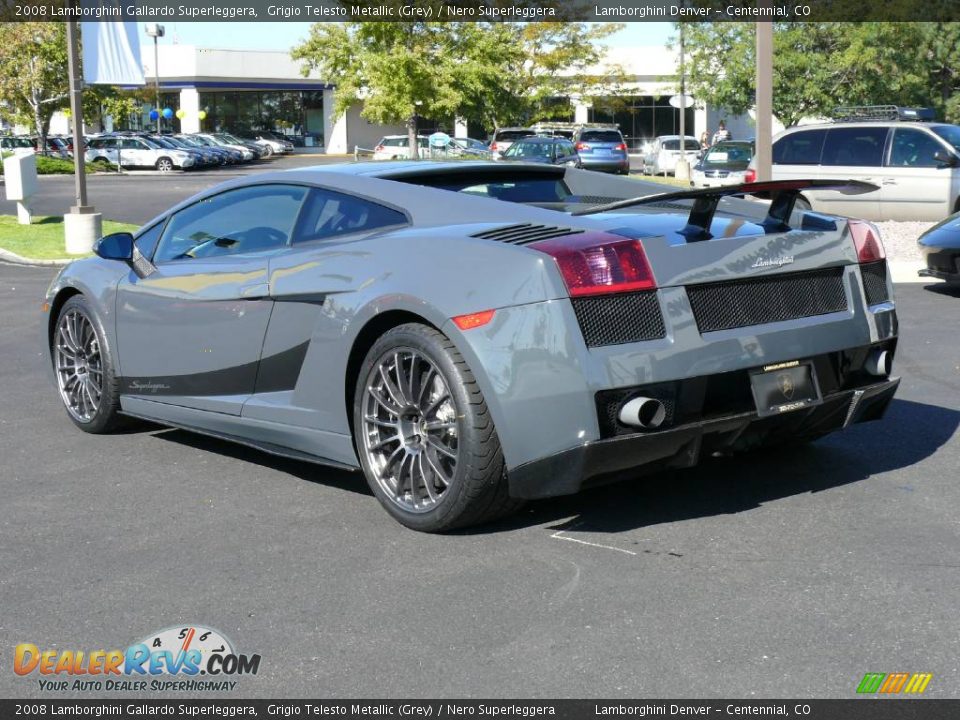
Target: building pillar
581, 110
460, 127
334, 129
190, 103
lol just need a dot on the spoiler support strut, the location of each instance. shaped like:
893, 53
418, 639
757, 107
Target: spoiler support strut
783, 194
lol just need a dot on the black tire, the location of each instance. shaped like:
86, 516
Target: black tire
165, 164
267, 151
107, 416
477, 492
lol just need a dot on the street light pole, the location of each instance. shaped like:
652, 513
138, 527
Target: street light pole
764, 139
76, 111
82, 226
682, 170
156, 31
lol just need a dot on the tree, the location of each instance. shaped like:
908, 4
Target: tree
33, 72
817, 66
494, 73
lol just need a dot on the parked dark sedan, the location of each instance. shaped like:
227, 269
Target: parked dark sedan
940, 246
549, 150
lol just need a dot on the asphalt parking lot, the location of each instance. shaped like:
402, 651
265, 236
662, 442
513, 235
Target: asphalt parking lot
782, 574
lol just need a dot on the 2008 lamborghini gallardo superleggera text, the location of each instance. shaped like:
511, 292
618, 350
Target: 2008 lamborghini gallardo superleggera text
471, 335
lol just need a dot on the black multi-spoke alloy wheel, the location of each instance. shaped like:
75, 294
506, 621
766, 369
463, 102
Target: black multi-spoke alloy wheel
424, 435
84, 368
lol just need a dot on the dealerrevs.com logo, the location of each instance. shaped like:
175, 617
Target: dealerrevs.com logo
192, 658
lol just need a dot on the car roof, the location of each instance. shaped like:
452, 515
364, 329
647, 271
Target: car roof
866, 123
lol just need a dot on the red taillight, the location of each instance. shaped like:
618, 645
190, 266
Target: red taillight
473, 320
866, 238
596, 263
750, 176
582, 146
621, 146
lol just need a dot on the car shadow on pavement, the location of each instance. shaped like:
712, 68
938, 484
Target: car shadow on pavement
908, 434
942, 288
312, 472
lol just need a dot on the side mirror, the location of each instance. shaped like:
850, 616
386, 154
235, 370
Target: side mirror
945, 159
117, 246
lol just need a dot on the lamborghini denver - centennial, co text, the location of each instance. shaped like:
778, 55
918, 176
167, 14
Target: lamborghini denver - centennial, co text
471, 335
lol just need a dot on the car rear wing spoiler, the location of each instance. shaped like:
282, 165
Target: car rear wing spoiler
782, 193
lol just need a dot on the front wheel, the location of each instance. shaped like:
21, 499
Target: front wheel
426, 441
165, 164
84, 368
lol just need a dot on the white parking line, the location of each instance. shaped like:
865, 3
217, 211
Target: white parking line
558, 535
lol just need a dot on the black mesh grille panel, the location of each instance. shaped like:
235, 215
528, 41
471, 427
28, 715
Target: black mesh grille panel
875, 282
741, 303
525, 233
618, 319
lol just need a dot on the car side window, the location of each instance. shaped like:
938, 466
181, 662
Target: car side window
854, 146
914, 148
245, 220
146, 241
799, 148
328, 214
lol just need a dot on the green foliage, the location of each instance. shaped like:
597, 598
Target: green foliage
33, 71
58, 166
819, 66
494, 73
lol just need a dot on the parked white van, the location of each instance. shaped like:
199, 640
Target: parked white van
915, 164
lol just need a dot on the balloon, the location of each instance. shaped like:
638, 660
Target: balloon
181, 114
202, 114
167, 113
154, 114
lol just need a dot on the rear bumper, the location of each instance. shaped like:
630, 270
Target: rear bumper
605, 164
942, 263
596, 462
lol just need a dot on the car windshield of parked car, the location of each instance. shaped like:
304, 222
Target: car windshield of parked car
950, 133
601, 136
524, 149
513, 135
674, 144
728, 155
250, 219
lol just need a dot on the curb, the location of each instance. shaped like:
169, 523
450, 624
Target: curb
9, 257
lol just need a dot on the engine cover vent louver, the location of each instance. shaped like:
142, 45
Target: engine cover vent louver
525, 233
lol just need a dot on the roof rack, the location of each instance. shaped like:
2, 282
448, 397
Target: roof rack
546, 126
861, 113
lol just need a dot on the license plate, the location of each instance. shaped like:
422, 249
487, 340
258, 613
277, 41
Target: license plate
783, 387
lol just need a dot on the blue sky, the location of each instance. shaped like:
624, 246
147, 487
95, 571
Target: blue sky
283, 35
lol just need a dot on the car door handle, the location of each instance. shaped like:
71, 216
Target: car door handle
255, 291
889, 181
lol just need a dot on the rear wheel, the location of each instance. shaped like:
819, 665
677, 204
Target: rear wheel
267, 151
84, 367
424, 434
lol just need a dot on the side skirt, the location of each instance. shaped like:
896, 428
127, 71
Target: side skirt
242, 431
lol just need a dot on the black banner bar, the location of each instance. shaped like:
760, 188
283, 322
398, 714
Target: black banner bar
866, 708
481, 10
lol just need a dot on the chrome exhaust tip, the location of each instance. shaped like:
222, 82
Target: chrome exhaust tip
643, 412
878, 363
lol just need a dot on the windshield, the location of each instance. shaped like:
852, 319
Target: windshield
601, 136
526, 149
511, 135
950, 133
674, 144
729, 155
230, 138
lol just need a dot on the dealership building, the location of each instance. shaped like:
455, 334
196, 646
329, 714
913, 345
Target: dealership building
221, 89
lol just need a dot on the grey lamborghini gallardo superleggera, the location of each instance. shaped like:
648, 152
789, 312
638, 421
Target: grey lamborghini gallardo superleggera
471, 335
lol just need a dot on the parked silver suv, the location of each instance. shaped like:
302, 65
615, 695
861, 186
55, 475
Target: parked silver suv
135, 151
914, 163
